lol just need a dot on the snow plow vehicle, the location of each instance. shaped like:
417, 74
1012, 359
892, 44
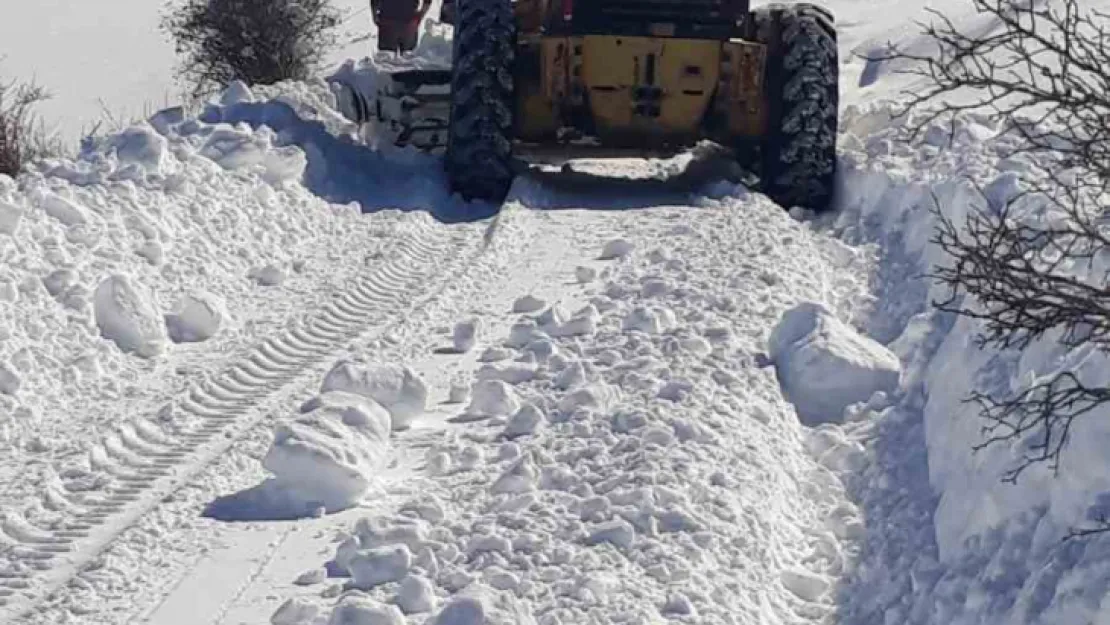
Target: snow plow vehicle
634, 75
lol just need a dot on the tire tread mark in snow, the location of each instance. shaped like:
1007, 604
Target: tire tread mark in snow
222, 408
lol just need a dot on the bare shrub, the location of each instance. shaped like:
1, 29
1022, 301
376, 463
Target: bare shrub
22, 138
255, 41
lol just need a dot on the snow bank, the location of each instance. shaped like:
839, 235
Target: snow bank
946, 539
156, 254
825, 366
591, 493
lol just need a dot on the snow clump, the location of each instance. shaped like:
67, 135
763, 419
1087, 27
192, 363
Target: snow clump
198, 318
328, 457
465, 335
400, 390
825, 366
126, 315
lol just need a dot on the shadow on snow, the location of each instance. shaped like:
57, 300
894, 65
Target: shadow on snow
340, 170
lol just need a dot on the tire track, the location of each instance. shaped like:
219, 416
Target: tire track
143, 462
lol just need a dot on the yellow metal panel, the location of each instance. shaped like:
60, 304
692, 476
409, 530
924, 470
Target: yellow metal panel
685, 70
535, 114
743, 91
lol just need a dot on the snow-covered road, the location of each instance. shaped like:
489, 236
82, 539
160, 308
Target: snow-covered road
228, 396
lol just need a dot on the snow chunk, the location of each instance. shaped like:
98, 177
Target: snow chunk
9, 380
198, 318
375, 567
327, 457
585, 274
824, 365
311, 576
356, 610
492, 398
617, 248
416, 595
652, 320
528, 304
459, 392
126, 315
465, 335
461, 611
478, 604
528, 420
618, 532
141, 146
237, 92
9, 218
268, 275
296, 611
514, 373
66, 211
805, 584
398, 389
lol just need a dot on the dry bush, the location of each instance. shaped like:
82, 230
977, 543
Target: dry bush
255, 41
22, 138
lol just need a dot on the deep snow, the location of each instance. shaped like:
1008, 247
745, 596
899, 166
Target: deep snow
560, 415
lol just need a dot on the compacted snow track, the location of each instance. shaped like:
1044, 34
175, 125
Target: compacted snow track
145, 462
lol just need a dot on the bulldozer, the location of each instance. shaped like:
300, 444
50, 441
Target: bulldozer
635, 76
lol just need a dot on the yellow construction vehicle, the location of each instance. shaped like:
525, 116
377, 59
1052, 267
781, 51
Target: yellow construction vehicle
640, 75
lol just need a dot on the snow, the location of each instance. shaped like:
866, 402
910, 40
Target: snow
374, 567
126, 315
825, 366
397, 388
198, 317
492, 398
465, 335
325, 459
697, 408
616, 249
415, 595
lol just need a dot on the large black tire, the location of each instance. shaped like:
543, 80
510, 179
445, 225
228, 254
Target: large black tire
479, 155
802, 78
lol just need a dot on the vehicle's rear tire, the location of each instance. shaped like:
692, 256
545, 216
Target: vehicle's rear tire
479, 156
802, 78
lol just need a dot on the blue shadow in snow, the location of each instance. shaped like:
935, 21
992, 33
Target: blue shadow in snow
1015, 570
341, 171
266, 501
575, 189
